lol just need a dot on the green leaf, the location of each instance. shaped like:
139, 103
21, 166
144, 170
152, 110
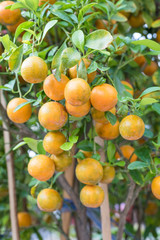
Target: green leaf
22, 105
32, 4
73, 139
83, 10
40, 148
156, 23
119, 163
92, 68
80, 155
82, 71
78, 40
111, 149
96, 156
32, 143
148, 133
69, 58
156, 107
9, 86
148, 43
62, 15
144, 154
56, 177
149, 90
157, 161
137, 177
17, 5
147, 101
137, 165
147, 19
21, 28
15, 59
99, 39
19, 145
57, 57
7, 43
67, 146
86, 145
48, 26
119, 17
111, 117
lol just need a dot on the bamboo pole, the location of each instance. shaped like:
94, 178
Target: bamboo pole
10, 172
105, 209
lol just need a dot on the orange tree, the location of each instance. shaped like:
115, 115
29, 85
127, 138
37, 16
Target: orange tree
72, 73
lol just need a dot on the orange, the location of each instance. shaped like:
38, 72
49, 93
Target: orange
77, 92
132, 127
151, 68
89, 171
151, 208
78, 111
7, 16
12, 28
53, 141
49, 200
52, 116
73, 71
140, 60
108, 174
53, 88
41, 167
24, 219
127, 151
104, 97
23, 114
62, 161
107, 131
158, 36
125, 83
136, 21
92, 196
99, 116
103, 24
41, 2
34, 69
155, 187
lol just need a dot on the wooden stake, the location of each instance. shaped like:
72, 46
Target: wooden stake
11, 179
105, 209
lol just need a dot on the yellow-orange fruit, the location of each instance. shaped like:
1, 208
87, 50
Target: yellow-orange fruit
34, 69
151, 208
99, 116
136, 21
108, 174
140, 60
107, 131
23, 114
62, 161
132, 127
150, 69
78, 111
53, 141
125, 83
89, 171
53, 88
104, 97
41, 167
8, 17
127, 151
158, 36
24, 219
12, 28
77, 92
155, 187
41, 2
52, 116
92, 196
103, 24
49, 200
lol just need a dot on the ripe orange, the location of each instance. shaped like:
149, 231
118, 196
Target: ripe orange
155, 187
41, 167
158, 36
78, 111
92, 196
99, 116
53, 88
49, 200
41, 2
52, 116
136, 21
73, 71
107, 131
34, 69
132, 127
127, 151
53, 141
24, 219
151, 208
62, 161
103, 24
108, 174
125, 83
104, 97
23, 114
12, 28
150, 69
8, 17
140, 60
77, 92
89, 171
